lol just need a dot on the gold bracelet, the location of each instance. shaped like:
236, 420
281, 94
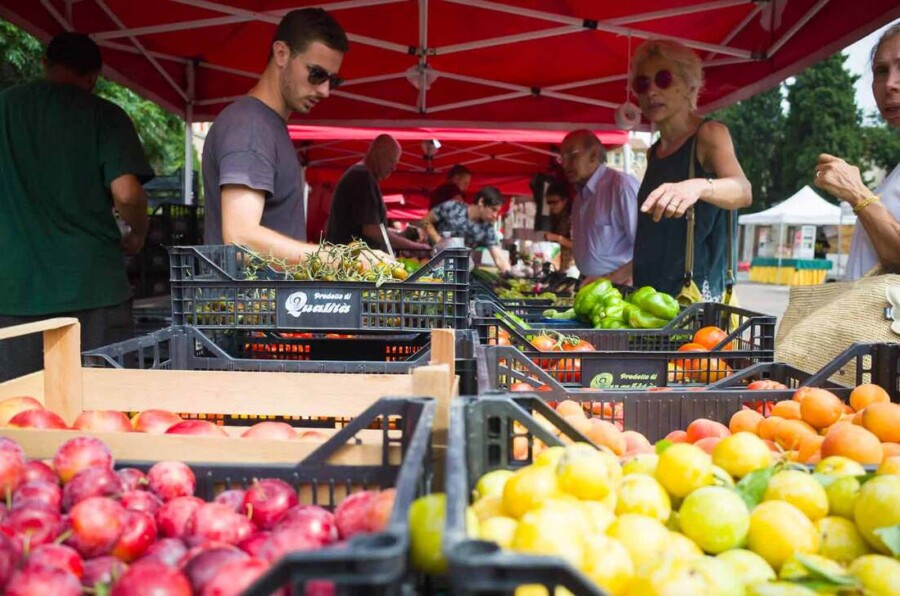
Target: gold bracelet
865, 203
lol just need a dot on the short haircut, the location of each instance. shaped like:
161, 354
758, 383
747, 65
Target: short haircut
489, 196
587, 140
75, 52
458, 170
685, 63
300, 28
557, 189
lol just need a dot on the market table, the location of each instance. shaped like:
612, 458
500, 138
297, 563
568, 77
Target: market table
791, 272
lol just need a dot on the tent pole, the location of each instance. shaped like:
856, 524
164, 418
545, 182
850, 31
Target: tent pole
189, 138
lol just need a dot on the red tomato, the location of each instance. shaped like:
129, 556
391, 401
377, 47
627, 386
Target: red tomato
691, 365
521, 386
544, 343
765, 385
567, 370
579, 345
710, 337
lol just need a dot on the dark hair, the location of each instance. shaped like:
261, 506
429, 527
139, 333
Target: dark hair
557, 189
489, 197
299, 28
458, 170
76, 52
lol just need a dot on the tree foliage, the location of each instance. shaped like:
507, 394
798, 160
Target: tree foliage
757, 129
161, 133
822, 118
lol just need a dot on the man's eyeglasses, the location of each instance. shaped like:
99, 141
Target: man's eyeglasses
318, 75
567, 156
662, 79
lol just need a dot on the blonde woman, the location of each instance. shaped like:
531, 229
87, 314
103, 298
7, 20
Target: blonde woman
667, 78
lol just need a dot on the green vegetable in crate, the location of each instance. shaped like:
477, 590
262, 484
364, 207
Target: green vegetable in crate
659, 304
566, 315
589, 296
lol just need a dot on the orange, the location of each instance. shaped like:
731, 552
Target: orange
579, 422
883, 420
854, 442
607, 434
787, 409
890, 449
769, 426
866, 394
858, 417
714, 369
710, 337
790, 432
820, 408
745, 420
809, 446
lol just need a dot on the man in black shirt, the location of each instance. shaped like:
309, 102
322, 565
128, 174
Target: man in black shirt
357, 207
458, 179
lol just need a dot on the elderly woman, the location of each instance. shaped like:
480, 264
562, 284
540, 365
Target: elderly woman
667, 78
876, 242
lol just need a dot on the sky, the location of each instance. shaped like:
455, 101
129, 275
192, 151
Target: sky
858, 63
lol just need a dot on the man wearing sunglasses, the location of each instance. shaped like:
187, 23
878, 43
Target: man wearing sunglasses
251, 177
604, 211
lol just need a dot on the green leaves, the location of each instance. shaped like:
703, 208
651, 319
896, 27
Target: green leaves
753, 486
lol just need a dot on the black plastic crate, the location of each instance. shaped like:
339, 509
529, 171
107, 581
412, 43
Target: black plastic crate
481, 436
210, 290
375, 563
174, 223
747, 330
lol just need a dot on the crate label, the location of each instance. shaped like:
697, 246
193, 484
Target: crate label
316, 307
618, 373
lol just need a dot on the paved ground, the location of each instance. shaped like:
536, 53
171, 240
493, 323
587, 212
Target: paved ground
763, 298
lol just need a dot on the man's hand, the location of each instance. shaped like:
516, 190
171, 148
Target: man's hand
838, 178
673, 199
369, 258
132, 243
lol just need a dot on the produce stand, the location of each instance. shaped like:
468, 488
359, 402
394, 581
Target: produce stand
790, 272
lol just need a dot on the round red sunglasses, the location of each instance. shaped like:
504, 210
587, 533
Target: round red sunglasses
662, 79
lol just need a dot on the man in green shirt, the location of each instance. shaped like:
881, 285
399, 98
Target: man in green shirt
67, 158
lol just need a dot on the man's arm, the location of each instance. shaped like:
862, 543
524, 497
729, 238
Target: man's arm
131, 203
499, 258
428, 226
242, 209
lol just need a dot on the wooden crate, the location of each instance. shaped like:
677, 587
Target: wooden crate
68, 389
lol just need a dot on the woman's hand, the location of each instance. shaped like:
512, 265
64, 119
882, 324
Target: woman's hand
673, 199
838, 178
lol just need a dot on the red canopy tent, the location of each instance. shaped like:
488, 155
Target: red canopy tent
543, 64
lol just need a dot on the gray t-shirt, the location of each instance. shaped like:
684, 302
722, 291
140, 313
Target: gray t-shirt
248, 144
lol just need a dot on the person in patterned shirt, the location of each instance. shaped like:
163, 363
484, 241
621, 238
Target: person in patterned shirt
473, 223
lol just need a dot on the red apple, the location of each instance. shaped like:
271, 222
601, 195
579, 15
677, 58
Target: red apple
39, 490
267, 500
151, 579
12, 471
234, 577
56, 555
41, 581
79, 454
137, 536
173, 515
285, 540
43, 419
132, 479
319, 587
215, 522
171, 479
352, 515
234, 498
34, 522
278, 431
90, 482
316, 522
141, 500
7, 444
254, 543
12, 406
380, 509
97, 523
166, 551
205, 565
102, 570
203, 428
9, 558
106, 421
38, 470
154, 422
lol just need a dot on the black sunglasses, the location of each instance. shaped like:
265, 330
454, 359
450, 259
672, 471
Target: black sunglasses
318, 75
662, 79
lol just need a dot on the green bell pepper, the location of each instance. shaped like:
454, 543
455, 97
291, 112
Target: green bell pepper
552, 313
611, 323
640, 319
639, 294
660, 305
589, 296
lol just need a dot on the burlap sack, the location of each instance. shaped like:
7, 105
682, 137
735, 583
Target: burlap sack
822, 321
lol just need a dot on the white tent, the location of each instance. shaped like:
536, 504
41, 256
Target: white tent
805, 208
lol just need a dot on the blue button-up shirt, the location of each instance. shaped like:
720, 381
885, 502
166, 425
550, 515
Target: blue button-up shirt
604, 221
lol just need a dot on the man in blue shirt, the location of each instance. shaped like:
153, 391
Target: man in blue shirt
604, 211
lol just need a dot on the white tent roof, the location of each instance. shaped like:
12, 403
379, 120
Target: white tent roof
805, 208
